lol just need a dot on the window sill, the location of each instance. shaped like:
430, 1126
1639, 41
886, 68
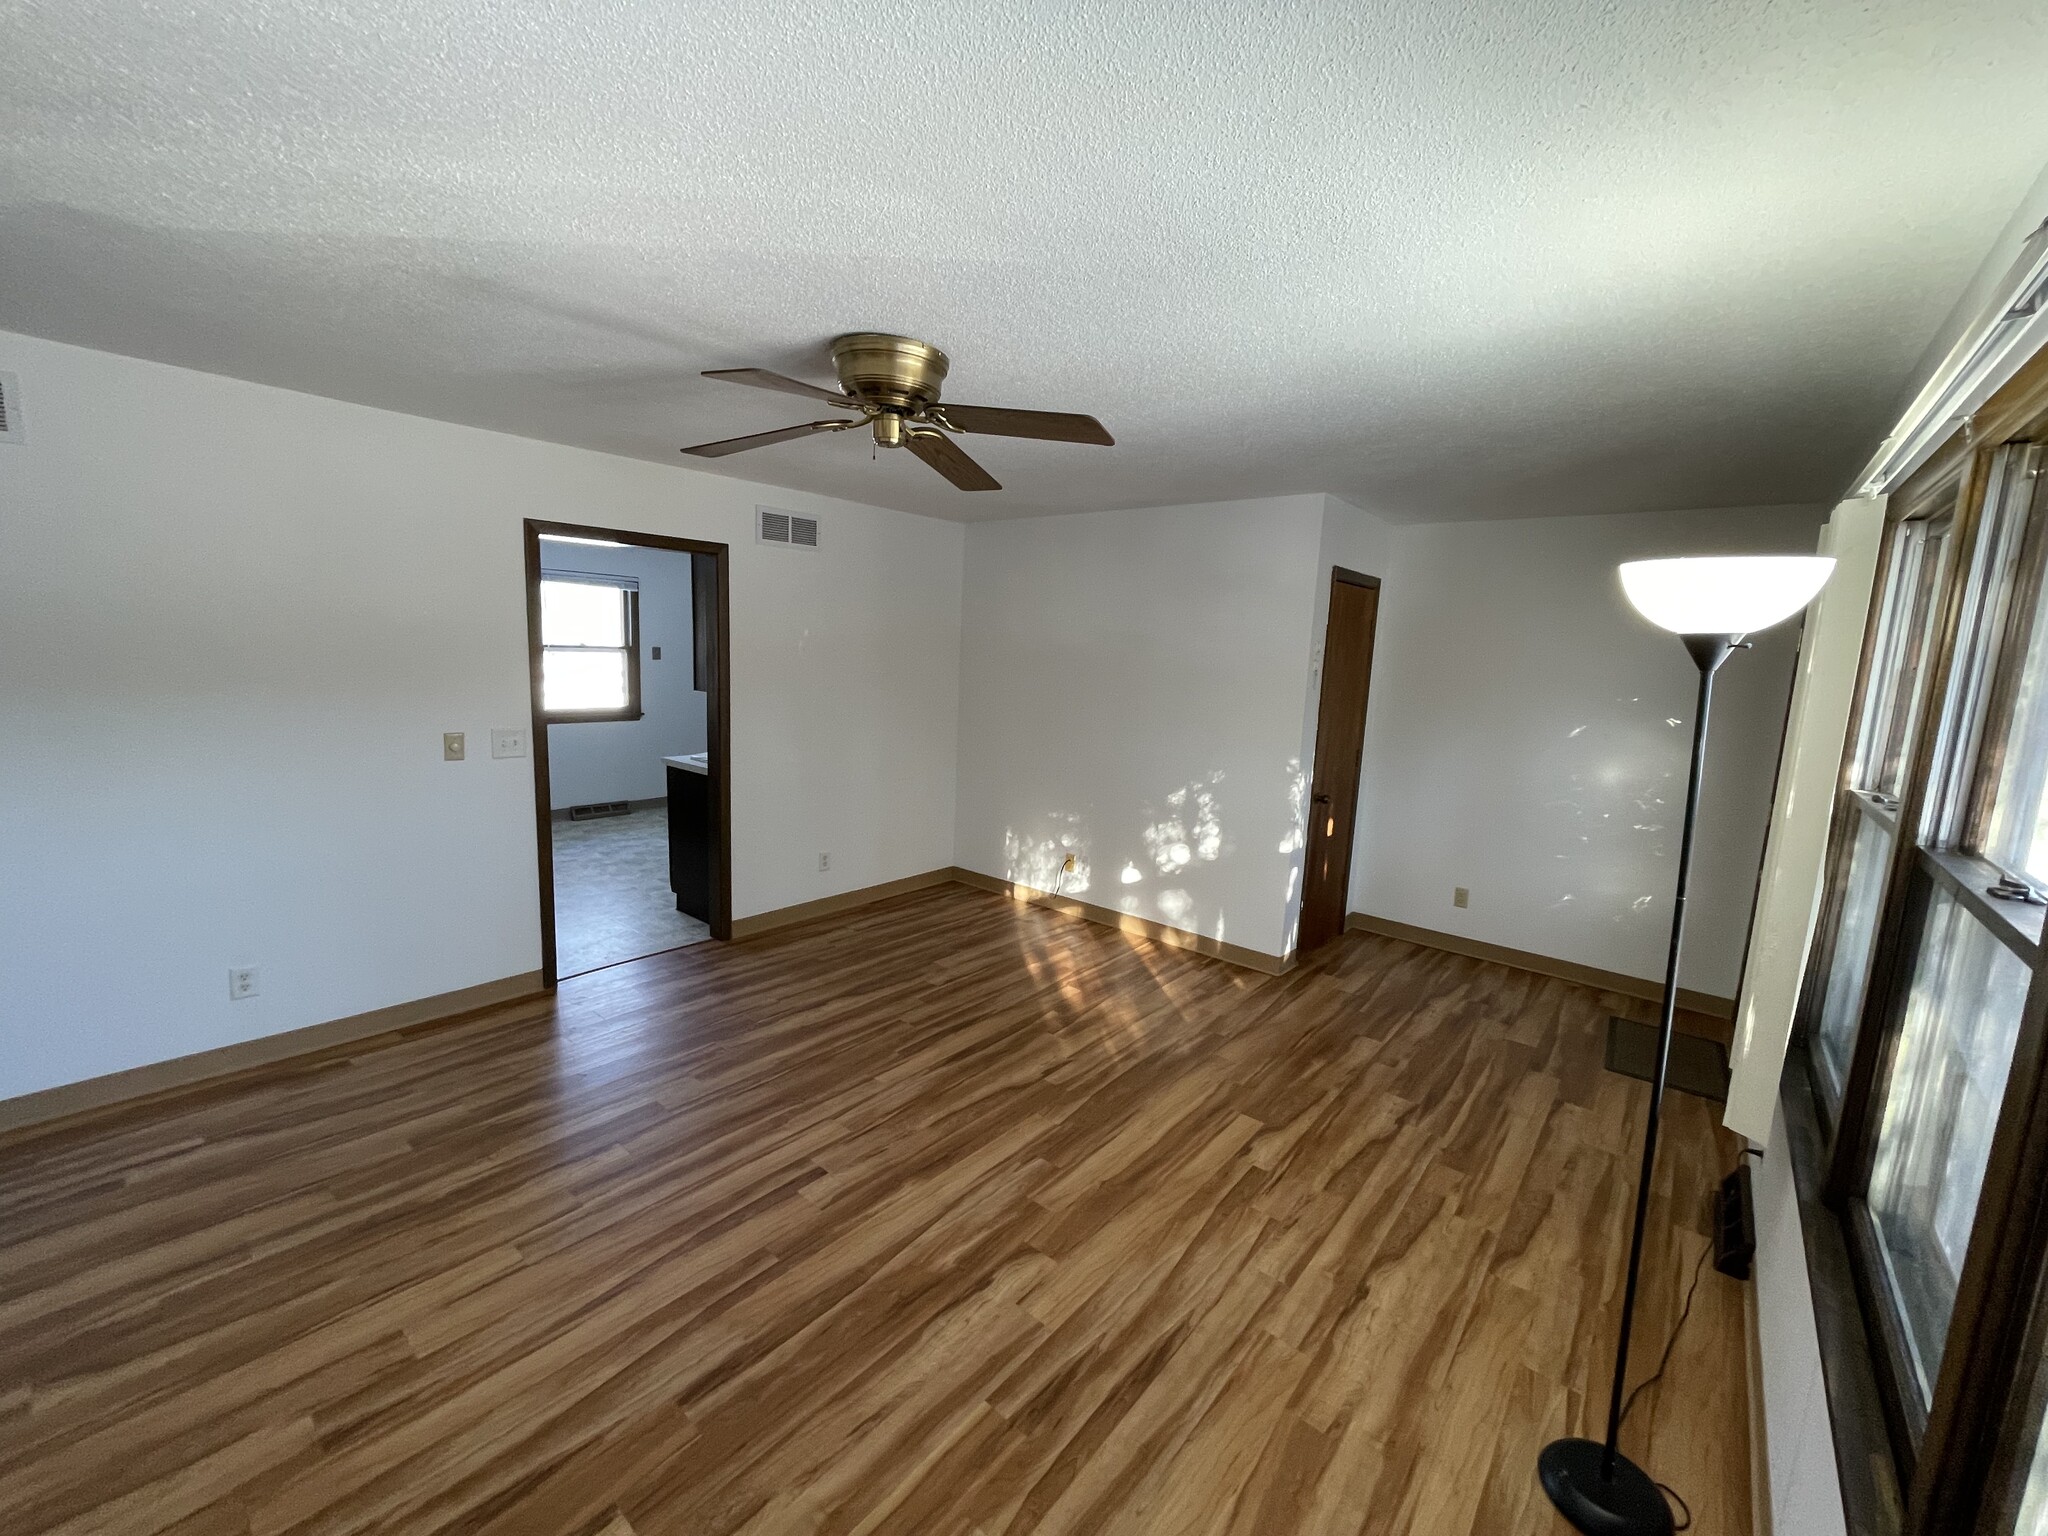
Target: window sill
1879, 808
2017, 924
594, 718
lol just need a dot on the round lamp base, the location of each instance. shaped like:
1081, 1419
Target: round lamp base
1626, 1504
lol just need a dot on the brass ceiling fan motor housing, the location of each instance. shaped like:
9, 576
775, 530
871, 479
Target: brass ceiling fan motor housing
896, 373
896, 379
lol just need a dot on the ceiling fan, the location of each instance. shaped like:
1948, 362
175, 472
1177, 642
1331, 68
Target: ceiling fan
893, 382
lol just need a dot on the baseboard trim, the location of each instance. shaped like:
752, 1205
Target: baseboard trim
1722, 1008
1137, 927
1760, 1515
828, 906
37, 1110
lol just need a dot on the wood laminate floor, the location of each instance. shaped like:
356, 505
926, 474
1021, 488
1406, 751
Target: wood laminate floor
947, 1216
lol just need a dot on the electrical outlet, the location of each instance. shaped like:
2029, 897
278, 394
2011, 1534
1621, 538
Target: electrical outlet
510, 743
1460, 897
242, 983
824, 862
451, 746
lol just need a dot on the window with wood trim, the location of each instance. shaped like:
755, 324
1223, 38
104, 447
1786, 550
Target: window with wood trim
1925, 1011
589, 647
1905, 637
2008, 817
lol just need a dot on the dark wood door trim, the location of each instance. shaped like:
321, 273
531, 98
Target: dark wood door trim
718, 713
1328, 779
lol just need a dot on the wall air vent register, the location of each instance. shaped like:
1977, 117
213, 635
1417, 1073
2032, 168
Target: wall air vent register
787, 528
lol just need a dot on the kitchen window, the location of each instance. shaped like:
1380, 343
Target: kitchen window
589, 647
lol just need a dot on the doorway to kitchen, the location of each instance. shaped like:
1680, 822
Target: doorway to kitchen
626, 645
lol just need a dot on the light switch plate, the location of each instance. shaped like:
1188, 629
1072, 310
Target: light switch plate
451, 746
510, 743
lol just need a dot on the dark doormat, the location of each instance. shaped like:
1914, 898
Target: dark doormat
1697, 1066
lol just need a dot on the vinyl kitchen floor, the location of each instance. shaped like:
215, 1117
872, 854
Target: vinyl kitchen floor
612, 898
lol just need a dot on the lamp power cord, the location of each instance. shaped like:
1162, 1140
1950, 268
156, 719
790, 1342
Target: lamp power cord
1664, 1364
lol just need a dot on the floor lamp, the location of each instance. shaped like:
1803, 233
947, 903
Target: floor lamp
1710, 603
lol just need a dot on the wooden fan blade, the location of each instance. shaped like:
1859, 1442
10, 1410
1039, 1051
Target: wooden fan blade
761, 378
944, 455
1052, 426
763, 439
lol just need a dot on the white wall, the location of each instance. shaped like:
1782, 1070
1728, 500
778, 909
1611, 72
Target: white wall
1132, 683
1527, 738
222, 699
1526, 734
1806, 1490
591, 760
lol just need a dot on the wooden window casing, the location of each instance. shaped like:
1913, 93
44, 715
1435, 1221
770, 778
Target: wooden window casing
1924, 755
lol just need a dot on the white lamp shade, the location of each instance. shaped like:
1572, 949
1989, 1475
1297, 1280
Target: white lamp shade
1724, 594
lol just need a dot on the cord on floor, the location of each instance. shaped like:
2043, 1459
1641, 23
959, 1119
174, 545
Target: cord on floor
1671, 1343
1686, 1523
1664, 1364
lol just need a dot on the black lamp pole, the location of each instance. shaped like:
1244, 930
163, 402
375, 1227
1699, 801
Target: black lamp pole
1595, 1487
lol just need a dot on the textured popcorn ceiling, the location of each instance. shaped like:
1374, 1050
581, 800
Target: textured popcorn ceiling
1443, 260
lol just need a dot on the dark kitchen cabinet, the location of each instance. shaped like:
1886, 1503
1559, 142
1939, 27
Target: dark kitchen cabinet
689, 841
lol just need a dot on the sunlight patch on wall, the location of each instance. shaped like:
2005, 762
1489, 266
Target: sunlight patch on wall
1039, 862
1297, 810
1613, 784
1189, 829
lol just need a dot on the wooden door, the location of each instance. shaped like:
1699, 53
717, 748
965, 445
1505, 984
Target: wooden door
1340, 734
